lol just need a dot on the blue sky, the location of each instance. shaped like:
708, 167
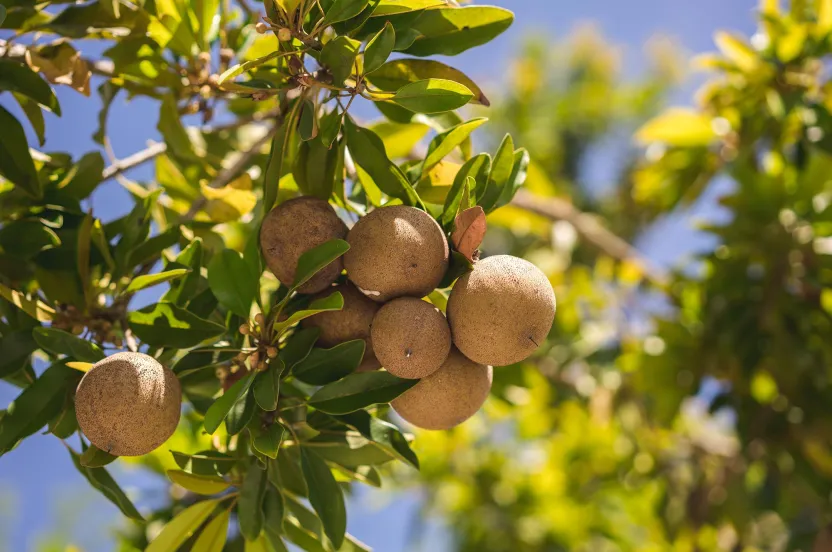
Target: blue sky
38, 485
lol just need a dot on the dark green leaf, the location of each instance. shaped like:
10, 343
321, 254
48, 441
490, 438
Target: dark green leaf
60, 342
152, 248
16, 76
84, 176
368, 152
150, 280
432, 96
330, 127
208, 462
379, 48
233, 283
285, 472
267, 385
94, 457
338, 55
106, 485
450, 31
241, 413
16, 163
219, 410
358, 391
341, 10
2, 14
34, 113
498, 177
15, 350
274, 510
478, 168
332, 302
316, 168
349, 449
315, 259
166, 325
459, 265
27, 238
298, 346
383, 433
36, 405
180, 292
516, 179
325, 496
268, 440
397, 73
308, 124
444, 143
170, 126
108, 92
65, 423
324, 366
250, 507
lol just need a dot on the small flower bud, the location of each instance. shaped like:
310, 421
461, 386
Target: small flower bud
254, 359
204, 57
244, 329
240, 357
213, 79
261, 27
260, 319
284, 35
226, 55
271, 352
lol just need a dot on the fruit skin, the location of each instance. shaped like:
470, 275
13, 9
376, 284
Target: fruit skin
294, 227
447, 397
411, 337
501, 310
396, 251
128, 404
351, 322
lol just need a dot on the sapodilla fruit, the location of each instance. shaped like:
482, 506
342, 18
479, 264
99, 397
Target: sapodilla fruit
351, 322
293, 228
447, 397
396, 251
411, 337
500, 311
128, 404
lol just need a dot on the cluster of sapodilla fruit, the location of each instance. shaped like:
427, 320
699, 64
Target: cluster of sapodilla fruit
129, 404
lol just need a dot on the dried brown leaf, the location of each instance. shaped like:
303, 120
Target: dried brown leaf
469, 231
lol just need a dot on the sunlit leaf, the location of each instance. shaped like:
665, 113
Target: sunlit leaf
394, 74
60, 342
182, 526
678, 127
150, 280
166, 325
200, 484
357, 391
213, 536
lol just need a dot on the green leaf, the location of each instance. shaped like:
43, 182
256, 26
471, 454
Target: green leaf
498, 177
341, 10
275, 511
241, 414
240, 68
443, 144
315, 259
368, 152
400, 139
350, 449
166, 325
35, 308
379, 48
477, 168
233, 284
170, 126
516, 179
298, 346
2, 14
324, 366
212, 538
285, 472
199, 484
268, 440
332, 302
308, 124
17, 77
325, 496
432, 96
153, 247
208, 462
108, 92
94, 457
339, 56
393, 7
397, 73
382, 433
34, 113
459, 265
60, 342
316, 168
274, 170
267, 385
250, 507
182, 526
84, 176
16, 348
357, 391
27, 238
16, 163
150, 280
36, 405
451, 31
219, 410
104, 483
330, 127
181, 292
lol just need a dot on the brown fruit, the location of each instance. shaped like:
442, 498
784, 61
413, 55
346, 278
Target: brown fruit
447, 397
293, 228
501, 311
396, 251
411, 337
369, 363
128, 404
351, 322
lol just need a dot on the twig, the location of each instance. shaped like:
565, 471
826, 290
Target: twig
227, 174
119, 166
591, 230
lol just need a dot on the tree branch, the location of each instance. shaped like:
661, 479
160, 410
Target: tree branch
119, 166
591, 230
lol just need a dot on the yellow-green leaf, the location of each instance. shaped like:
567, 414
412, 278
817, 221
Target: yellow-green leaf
80, 366
399, 139
212, 538
230, 202
396, 73
182, 527
200, 484
678, 127
738, 51
35, 308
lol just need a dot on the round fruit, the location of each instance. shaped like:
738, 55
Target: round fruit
501, 311
447, 397
411, 337
369, 363
351, 322
293, 228
396, 251
128, 404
